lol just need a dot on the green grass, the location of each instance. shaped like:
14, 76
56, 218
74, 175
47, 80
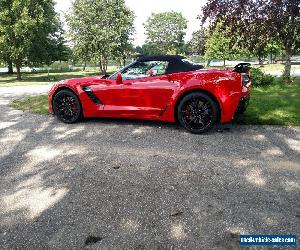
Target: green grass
274, 105
280, 67
36, 104
42, 78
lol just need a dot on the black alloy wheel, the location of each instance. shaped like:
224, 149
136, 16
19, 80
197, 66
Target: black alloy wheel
197, 112
66, 106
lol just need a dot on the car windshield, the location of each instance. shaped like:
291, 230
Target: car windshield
155, 67
189, 61
142, 70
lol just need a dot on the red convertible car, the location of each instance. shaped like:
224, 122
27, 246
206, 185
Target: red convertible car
163, 88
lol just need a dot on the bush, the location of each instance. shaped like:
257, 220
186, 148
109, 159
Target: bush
260, 79
60, 66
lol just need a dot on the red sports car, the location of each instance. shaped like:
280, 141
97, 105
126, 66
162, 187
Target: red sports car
163, 88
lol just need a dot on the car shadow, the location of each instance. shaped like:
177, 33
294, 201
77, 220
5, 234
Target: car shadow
128, 184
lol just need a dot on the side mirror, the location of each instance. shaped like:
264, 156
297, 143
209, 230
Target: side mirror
119, 78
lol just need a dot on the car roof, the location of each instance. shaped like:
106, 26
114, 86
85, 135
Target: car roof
176, 64
160, 58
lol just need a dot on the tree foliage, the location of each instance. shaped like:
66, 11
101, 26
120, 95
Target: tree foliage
284, 18
48, 48
255, 23
100, 29
220, 46
165, 33
196, 46
24, 24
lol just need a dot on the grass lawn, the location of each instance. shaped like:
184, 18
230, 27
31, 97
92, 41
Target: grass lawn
42, 78
274, 105
36, 104
280, 67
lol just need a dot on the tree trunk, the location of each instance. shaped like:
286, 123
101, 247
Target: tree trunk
102, 66
224, 62
288, 64
261, 61
10, 68
105, 67
18, 66
84, 66
208, 63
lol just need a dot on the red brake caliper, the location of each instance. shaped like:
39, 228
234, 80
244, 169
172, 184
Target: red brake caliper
188, 112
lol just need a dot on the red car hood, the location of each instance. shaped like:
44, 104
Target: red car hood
82, 81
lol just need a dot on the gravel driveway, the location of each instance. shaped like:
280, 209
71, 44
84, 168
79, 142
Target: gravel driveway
115, 184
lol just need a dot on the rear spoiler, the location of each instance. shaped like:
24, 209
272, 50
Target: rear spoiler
242, 68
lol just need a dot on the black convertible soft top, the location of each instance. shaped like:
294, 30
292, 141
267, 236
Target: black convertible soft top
160, 58
176, 63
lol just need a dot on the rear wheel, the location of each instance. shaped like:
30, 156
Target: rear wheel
197, 112
67, 107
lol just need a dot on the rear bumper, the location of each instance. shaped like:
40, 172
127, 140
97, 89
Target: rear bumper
243, 104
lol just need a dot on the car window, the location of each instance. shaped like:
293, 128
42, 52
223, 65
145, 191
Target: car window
189, 61
145, 69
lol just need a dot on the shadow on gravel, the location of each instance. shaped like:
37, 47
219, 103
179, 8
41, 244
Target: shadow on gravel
121, 184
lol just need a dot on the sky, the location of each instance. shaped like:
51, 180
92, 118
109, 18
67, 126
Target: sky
190, 9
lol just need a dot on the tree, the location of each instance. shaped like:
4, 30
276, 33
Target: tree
220, 46
46, 49
274, 49
151, 49
147, 50
243, 21
196, 46
138, 50
256, 23
123, 49
100, 29
284, 16
166, 32
82, 52
61, 52
22, 23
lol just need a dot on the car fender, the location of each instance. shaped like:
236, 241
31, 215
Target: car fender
224, 87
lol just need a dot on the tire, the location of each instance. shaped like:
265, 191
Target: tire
67, 106
197, 112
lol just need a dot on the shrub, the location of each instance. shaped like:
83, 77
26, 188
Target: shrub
287, 79
260, 79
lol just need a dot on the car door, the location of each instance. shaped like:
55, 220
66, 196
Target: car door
145, 95
148, 96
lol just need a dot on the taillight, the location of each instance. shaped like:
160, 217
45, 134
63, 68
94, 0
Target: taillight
245, 79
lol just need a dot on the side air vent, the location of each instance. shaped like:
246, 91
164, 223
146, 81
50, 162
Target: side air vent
92, 96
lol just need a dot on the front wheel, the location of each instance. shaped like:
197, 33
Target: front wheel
67, 107
197, 112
